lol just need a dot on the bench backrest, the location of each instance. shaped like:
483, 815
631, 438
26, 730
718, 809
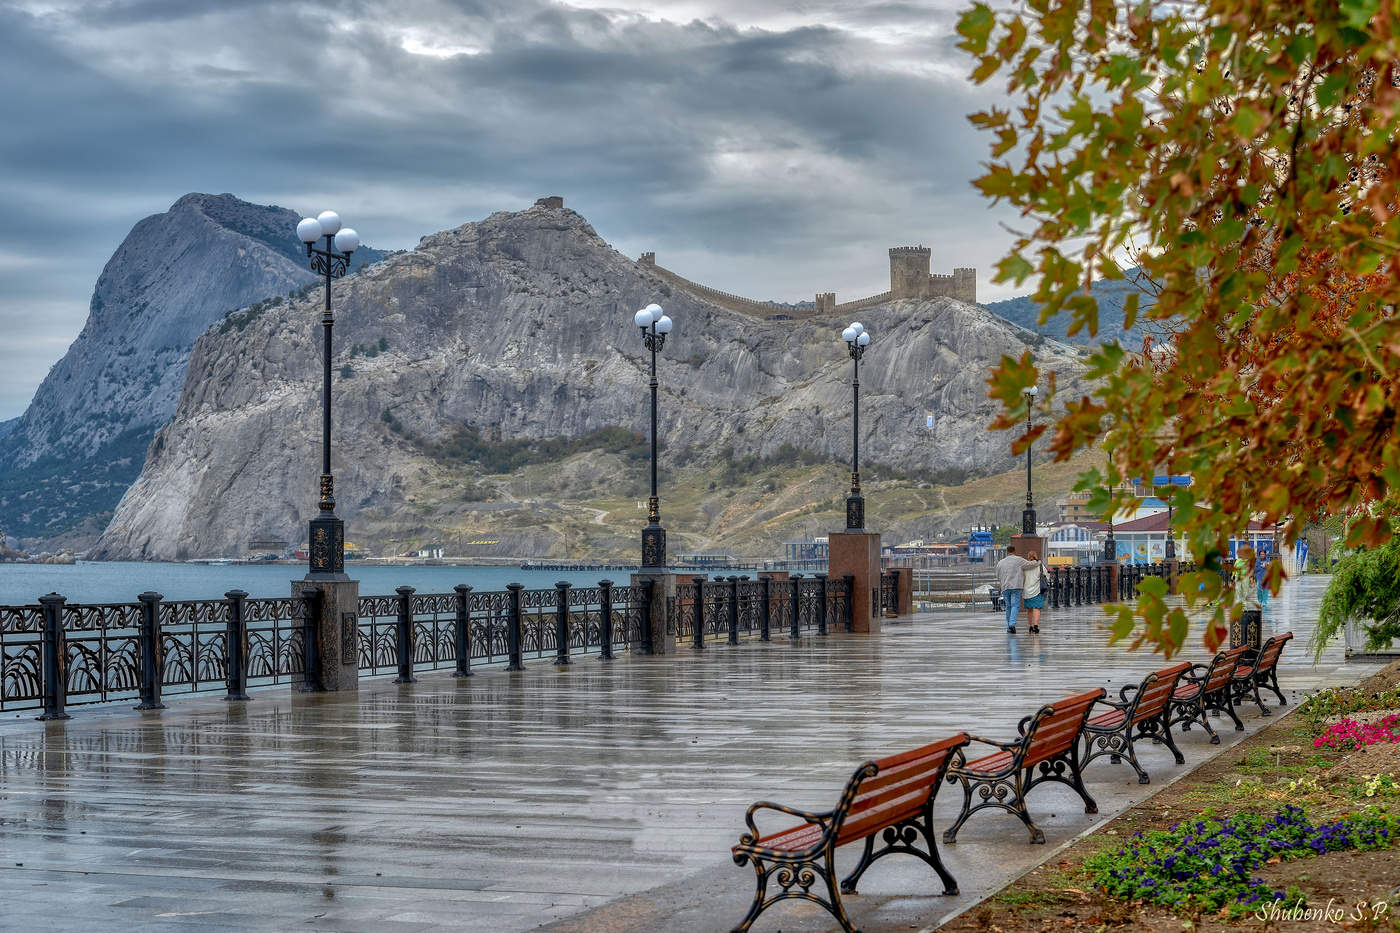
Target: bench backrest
1156, 691
1055, 728
1269, 652
899, 789
1223, 668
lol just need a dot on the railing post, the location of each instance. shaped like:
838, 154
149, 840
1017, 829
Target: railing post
561, 624
698, 636
733, 610
236, 646
795, 632
605, 623
150, 651
403, 640
1054, 578
649, 586
765, 612
513, 621
1078, 585
850, 579
462, 642
311, 638
55, 654
821, 604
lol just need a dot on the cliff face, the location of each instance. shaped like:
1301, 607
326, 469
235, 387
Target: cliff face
73, 453
520, 326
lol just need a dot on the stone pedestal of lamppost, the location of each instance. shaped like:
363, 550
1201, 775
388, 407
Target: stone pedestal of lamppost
856, 554
336, 632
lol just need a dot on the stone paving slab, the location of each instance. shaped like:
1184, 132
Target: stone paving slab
508, 801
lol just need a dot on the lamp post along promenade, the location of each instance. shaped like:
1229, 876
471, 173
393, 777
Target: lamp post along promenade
331, 597
1028, 516
657, 634
327, 539
655, 325
857, 339
855, 552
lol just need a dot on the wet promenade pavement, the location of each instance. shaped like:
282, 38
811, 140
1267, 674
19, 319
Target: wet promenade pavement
604, 796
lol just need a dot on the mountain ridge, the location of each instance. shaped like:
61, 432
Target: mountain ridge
519, 326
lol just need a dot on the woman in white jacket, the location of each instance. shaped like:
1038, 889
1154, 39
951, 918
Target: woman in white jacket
1033, 594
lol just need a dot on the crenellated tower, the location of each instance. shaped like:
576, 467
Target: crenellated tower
909, 271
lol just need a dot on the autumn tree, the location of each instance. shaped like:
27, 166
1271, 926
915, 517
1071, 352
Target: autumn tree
1242, 153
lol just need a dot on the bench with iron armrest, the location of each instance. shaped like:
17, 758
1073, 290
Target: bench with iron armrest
1207, 687
1049, 742
1248, 678
891, 798
1143, 713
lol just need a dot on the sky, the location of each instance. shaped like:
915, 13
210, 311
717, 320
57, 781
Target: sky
769, 148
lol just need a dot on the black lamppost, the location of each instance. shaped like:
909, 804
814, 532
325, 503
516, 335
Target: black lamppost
1110, 547
655, 325
1171, 539
857, 339
1028, 516
327, 546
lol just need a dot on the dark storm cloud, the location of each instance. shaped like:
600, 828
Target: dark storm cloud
765, 148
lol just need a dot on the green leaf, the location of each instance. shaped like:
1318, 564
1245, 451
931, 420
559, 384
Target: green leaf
1153, 586
1014, 269
975, 26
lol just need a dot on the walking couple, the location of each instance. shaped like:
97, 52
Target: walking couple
1021, 580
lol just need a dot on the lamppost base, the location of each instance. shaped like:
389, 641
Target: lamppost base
653, 548
855, 513
327, 548
1110, 551
1028, 526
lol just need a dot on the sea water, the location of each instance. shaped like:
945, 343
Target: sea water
121, 582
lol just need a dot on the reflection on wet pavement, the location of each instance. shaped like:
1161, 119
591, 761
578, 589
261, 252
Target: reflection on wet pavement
504, 801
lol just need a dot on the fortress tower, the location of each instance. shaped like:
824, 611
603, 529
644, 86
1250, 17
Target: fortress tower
910, 277
825, 303
909, 271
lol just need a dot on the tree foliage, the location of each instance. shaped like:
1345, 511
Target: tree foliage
1365, 590
1241, 153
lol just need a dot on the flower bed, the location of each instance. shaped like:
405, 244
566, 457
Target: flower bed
1350, 733
1210, 864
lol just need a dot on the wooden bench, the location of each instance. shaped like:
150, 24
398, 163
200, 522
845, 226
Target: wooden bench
891, 798
1207, 687
1248, 678
1147, 712
1049, 741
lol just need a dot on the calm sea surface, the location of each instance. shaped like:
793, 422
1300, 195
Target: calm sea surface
118, 582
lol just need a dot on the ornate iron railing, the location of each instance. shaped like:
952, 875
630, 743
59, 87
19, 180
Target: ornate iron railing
53, 655
58, 654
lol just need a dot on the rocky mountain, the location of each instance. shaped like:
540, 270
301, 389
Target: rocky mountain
492, 391
1110, 295
67, 461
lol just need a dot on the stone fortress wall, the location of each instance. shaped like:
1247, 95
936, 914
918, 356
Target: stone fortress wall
909, 278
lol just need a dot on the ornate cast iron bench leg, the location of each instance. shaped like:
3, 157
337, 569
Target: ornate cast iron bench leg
1159, 729
1272, 684
1191, 712
795, 874
901, 838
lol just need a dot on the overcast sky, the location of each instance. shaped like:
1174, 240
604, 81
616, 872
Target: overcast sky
771, 148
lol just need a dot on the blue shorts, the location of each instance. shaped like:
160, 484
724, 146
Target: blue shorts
1035, 602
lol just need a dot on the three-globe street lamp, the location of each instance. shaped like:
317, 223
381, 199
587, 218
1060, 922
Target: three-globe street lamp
1028, 516
857, 339
655, 325
327, 547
